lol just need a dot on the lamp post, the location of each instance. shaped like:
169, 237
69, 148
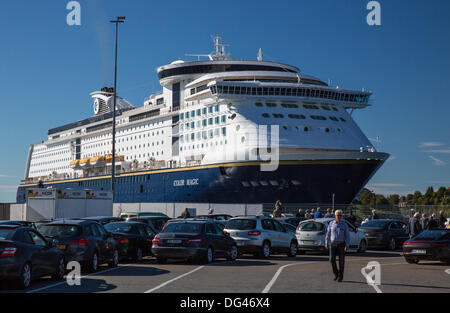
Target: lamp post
119, 20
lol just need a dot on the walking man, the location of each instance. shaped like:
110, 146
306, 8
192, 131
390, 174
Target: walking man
414, 226
337, 241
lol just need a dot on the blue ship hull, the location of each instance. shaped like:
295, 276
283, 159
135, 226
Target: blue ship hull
299, 182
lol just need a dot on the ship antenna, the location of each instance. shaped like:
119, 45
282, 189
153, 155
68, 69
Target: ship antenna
260, 58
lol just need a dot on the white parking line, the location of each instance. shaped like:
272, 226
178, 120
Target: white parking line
448, 271
174, 279
275, 277
65, 282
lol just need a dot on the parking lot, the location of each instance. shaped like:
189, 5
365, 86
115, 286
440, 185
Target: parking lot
310, 273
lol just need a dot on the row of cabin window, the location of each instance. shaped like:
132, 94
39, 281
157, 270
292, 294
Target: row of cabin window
203, 123
289, 92
204, 134
199, 112
198, 89
302, 117
202, 146
265, 183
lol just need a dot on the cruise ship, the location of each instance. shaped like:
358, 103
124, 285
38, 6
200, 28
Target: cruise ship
221, 131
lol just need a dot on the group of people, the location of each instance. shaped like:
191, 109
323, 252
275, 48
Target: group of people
309, 214
419, 222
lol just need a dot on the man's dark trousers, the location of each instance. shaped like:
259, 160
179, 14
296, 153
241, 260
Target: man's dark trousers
337, 249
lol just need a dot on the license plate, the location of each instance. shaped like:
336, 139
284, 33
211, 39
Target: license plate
173, 241
308, 242
61, 247
240, 243
418, 251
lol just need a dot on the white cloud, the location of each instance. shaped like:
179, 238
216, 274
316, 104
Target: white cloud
437, 162
438, 151
430, 144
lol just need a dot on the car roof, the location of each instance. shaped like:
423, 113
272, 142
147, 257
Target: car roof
98, 217
11, 226
71, 222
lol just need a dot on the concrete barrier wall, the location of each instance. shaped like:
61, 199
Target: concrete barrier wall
175, 209
5, 211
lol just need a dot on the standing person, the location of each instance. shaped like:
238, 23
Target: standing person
442, 219
318, 214
277, 211
432, 223
414, 225
337, 241
300, 213
374, 215
313, 211
308, 215
328, 214
424, 221
185, 214
211, 211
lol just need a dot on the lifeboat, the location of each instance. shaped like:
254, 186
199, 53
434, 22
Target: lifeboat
99, 160
85, 162
75, 164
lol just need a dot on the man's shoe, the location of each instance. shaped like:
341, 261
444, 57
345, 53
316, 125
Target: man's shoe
335, 278
340, 279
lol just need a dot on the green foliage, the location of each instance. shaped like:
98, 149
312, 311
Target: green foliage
431, 197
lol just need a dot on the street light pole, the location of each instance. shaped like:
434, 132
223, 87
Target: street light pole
119, 20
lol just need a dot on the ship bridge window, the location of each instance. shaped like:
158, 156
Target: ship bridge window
297, 116
326, 107
245, 184
311, 107
266, 115
289, 105
277, 115
342, 119
334, 119
274, 183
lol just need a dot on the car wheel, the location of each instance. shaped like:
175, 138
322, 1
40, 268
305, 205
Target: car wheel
362, 246
265, 250
161, 260
292, 249
93, 263
233, 253
60, 270
209, 257
392, 244
138, 256
24, 280
115, 259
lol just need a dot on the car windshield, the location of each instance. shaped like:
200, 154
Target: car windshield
59, 231
185, 228
120, 228
311, 226
375, 224
241, 224
4, 233
432, 234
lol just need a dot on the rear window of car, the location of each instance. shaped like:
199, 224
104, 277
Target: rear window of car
432, 235
311, 226
241, 224
121, 228
4, 233
375, 224
60, 231
185, 228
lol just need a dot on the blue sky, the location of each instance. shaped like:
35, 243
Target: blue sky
48, 69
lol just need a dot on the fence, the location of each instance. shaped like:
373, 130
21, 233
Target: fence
363, 210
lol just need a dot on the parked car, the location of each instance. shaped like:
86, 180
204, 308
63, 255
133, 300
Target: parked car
289, 227
219, 218
291, 220
261, 236
156, 223
311, 236
83, 241
428, 245
104, 219
134, 240
354, 220
25, 254
195, 240
19, 223
385, 233
127, 215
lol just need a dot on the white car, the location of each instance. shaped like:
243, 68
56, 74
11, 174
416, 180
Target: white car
311, 236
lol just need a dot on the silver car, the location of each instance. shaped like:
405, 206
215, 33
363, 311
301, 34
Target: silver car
261, 236
311, 236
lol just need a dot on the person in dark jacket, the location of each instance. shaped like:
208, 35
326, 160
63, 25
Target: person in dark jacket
414, 226
300, 213
374, 215
185, 214
432, 222
442, 219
